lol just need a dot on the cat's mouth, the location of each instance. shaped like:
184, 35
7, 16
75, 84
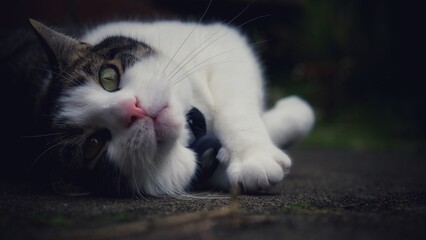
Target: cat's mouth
162, 126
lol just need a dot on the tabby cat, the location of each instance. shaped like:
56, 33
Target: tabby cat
119, 106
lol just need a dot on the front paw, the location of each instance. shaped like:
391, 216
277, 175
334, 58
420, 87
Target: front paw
258, 169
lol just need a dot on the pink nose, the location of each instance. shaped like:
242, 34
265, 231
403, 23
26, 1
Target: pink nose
129, 111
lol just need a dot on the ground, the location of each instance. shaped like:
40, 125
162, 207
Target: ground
329, 194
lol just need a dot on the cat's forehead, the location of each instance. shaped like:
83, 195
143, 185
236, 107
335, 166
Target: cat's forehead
113, 46
122, 52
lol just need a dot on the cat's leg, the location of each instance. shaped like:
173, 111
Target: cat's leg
249, 158
289, 120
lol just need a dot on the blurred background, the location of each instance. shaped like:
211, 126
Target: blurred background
347, 58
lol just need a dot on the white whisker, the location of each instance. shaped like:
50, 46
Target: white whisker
120, 170
196, 67
67, 77
251, 20
60, 141
199, 68
187, 37
43, 135
136, 187
185, 62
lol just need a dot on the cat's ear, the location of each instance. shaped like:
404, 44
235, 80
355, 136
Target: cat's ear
61, 50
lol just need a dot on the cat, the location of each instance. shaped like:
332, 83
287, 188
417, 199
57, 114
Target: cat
116, 101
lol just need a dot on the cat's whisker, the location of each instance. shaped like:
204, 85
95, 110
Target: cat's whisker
196, 67
158, 47
68, 78
128, 166
43, 135
200, 52
208, 38
187, 37
60, 141
189, 72
135, 182
120, 167
159, 155
183, 63
150, 168
249, 21
132, 163
126, 153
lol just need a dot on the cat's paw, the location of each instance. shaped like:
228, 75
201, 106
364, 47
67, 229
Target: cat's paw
258, 169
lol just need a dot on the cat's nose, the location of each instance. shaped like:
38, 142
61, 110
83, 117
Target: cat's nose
129, 111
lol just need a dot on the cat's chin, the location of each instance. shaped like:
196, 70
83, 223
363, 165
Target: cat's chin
153, 166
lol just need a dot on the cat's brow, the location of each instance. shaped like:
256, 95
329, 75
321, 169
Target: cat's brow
122, 50
110, 47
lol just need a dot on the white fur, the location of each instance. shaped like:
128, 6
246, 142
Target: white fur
289, 120
210, 67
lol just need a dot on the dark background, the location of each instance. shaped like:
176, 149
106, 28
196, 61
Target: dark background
358, 175
359, 63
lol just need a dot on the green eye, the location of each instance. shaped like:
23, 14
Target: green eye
109, 78
94, 145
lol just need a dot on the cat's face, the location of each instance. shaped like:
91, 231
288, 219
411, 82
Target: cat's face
117, 109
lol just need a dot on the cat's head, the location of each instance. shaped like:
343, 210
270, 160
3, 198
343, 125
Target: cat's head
120, 119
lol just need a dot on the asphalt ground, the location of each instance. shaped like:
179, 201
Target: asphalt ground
329, 194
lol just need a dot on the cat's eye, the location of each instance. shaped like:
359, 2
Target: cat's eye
109, 78
94, 145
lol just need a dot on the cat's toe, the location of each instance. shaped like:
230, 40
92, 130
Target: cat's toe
257, 176
223, 155
260, 170
282, 159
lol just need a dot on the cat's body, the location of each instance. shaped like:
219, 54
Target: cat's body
164, 69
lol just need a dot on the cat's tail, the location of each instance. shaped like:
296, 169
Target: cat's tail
289, 120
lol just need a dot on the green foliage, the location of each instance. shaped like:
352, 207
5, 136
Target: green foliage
297, 207
363, 131
52, 221
309, 209
342, 66
116, 218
